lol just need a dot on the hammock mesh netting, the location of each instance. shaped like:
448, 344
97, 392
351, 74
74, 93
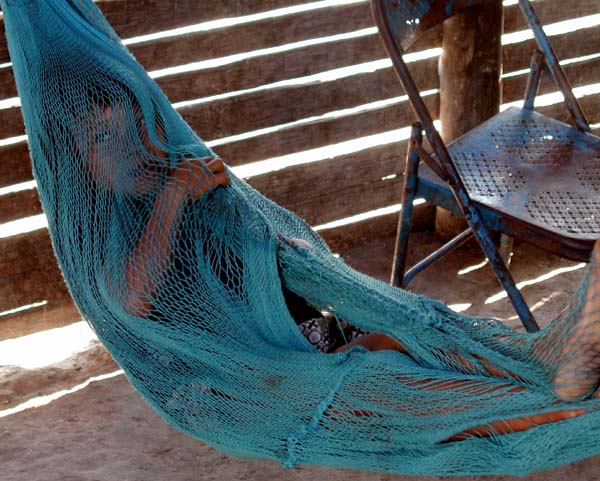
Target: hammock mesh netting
186, 290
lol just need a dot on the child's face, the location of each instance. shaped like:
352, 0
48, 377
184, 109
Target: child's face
117, 150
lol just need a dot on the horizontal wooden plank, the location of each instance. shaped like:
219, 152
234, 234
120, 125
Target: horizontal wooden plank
29, 274
42, 282
287, 104
590, 105
25, 253
19, 204
55, 314
8, 88
15, 164
272, 32
264, 70
365, 231
12, 123
582, 42
350, 183
134, 18
273, 68
299, 138
579, 74
32, 286
270, 69
549, 11
130, 19
346, 201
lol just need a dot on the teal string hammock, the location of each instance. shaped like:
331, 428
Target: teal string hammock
185, 289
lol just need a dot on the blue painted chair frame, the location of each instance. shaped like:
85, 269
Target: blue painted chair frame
400, 23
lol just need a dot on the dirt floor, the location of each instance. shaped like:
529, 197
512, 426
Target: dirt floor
106, 432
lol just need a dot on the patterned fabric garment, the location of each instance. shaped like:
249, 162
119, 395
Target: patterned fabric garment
328, 334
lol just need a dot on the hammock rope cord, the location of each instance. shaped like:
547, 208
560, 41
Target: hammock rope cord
185, 290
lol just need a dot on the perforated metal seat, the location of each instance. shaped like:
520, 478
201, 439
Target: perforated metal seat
534, 169
530, 177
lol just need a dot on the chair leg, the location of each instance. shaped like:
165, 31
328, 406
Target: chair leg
411, 183
477, 223
443, 251
504, 276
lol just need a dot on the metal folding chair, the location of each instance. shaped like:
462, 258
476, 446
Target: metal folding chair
520, 173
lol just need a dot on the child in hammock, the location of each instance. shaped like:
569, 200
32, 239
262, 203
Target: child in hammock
116, 119
189, 181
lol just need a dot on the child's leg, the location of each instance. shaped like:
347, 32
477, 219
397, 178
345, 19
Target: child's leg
574, 341
421, 394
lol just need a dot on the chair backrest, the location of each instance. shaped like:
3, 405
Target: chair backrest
410, 18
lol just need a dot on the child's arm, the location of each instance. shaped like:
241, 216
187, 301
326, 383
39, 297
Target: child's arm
150, 258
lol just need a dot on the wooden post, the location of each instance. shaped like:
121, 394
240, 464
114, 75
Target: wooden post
470, 91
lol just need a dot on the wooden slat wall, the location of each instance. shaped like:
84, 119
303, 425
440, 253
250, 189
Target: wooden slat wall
347, 184
142, 17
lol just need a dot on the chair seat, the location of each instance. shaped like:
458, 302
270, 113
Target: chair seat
533, 169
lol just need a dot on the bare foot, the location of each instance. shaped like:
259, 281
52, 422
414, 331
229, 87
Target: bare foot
578, 373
